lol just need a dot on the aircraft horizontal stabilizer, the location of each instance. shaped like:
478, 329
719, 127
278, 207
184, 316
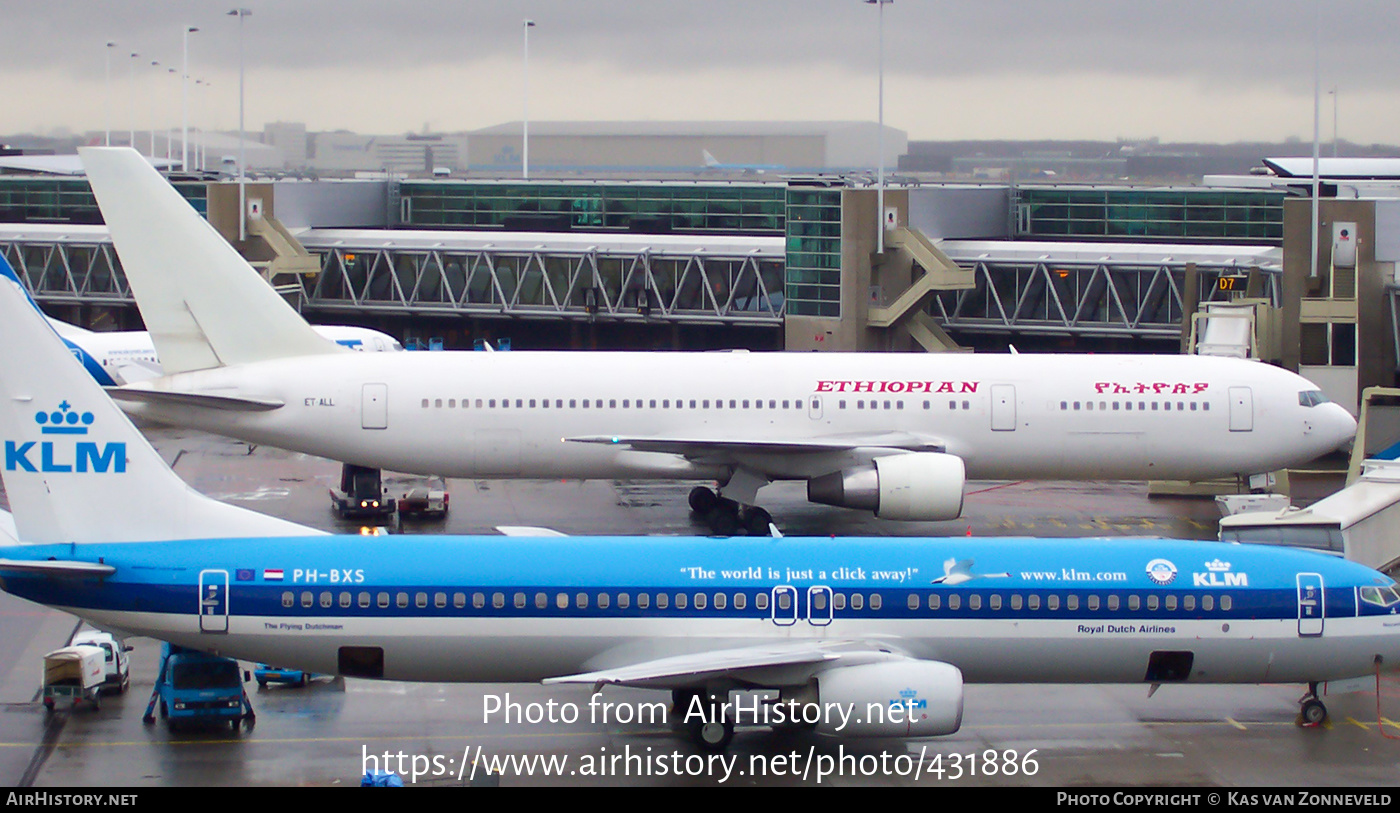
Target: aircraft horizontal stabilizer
227, 403
53, 567
903, 441
528, 531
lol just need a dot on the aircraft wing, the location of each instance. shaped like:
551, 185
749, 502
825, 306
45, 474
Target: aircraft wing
705, 447
760, 665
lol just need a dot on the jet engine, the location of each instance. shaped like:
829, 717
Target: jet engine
891, 699
913, 486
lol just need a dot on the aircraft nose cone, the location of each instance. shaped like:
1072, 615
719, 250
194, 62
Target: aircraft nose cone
1338, 427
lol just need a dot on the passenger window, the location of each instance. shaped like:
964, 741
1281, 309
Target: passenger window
1152, 603
643, 601
1032, 602
954, 602
363, 600
680, 601
498, 600
1016, 601
623, 601
785, 601
933, 601
382, 600
345, 600
974, 602
857, 601
581, 601
819, 601
1072, 603
1093, 602
478, 600
663, 600
1226, 603
562, 601
288, 599
439, 600
1207, 603
1052, 602
1188, 603
700, 601
307, 599
401, 600
838, 601
1134, 602
876, 601
994, 601
1113, 603
519, 601
721, 601
1171, 602
603, 601
541, 601
459, 600
741, 600
420, 600
913, 601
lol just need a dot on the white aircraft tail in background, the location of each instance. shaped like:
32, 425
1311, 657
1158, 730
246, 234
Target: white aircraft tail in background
192, 321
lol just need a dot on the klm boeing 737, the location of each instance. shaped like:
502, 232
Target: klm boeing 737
877, 635
893, 433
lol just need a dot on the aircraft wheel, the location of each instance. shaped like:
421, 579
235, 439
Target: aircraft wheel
756, 521
703, 500
1313, 711
714, 732
724, 518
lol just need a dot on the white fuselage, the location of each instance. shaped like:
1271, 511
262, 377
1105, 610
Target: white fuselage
1006, 416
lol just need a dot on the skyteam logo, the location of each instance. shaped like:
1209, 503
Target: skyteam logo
58, 456
1161, 572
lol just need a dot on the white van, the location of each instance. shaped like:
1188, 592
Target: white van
116, 662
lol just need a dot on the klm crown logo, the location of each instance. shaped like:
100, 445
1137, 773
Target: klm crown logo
55, 457
63, 421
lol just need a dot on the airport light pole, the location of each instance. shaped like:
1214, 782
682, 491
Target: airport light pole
185, 100
131, 121
155, 63
880, 183
525, 134
240, 13
108, 106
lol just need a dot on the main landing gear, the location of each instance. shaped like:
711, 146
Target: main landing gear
725, 516
1311, 710
705, 716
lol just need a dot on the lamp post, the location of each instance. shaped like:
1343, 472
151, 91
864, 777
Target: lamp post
185, 99
155, 64
131, 122
525, 135
107, 107
880, 183
240, 13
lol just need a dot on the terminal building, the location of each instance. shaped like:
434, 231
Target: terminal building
779, 244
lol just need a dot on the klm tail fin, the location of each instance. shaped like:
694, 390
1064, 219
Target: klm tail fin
75, 469
202, 303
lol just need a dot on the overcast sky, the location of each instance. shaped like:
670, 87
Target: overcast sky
1206, 70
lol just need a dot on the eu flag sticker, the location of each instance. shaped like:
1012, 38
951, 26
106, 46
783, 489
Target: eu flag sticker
244, 575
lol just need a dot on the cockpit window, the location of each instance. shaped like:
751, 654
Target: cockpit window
1311, 398
1380, 596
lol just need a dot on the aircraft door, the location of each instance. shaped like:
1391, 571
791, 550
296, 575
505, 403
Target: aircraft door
374, 407
1003, 408
1312, 610
1241, 409
784, 605
819, 605
814, 407
213, 601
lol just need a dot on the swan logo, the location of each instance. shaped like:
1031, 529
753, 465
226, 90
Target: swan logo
1161, 572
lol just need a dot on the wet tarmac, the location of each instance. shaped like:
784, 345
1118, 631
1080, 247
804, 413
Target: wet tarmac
328, 732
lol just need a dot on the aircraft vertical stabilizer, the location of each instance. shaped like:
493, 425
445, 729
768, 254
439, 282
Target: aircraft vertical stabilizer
202, 303
75, 469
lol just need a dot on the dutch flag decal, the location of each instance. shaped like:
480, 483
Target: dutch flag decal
272, 575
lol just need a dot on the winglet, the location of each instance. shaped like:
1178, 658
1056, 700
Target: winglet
203, 304
75, 469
